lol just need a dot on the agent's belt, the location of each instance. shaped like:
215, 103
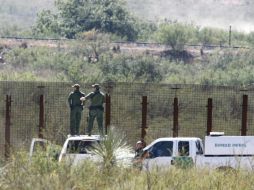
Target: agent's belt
77, 105
96, 107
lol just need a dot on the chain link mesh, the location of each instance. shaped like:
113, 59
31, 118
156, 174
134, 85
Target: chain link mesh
126, 110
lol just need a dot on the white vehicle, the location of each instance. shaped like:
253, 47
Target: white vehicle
78, 148
40, 146
35, 144
219, 152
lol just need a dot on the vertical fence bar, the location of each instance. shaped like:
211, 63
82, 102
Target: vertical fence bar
209, 115
107, 112
8, 127
229, 36
175, 118
244, 115
41, 117
144, 117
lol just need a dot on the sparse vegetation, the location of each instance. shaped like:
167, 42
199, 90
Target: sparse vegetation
44, 173
90, 61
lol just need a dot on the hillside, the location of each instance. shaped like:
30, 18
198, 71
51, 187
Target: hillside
86, 61
95, 58
218, 13
22, 12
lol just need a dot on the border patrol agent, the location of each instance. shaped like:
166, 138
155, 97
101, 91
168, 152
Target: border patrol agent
96, 108
76, 107
140, 155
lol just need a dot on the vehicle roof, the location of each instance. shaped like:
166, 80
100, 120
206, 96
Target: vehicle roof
39, 139
85, 137
178, 138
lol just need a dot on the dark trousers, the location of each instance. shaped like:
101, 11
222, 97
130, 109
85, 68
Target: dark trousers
75, 119
98, 114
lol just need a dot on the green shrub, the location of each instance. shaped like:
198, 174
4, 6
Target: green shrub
131, 68
46, 174
176, 35
212, 36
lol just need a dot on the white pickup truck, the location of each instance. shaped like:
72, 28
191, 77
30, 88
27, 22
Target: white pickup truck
78, 148
219, 152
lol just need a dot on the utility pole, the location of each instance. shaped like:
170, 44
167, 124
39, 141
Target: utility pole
175, 113
8, 126
229, 37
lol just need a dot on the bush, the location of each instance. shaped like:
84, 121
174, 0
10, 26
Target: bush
131, 68
175, 35
74, 17
212, 36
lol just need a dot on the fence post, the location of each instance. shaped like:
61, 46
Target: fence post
107, 112
209, 116
144, 117
41, 117
244, 115
175, 118
8, 127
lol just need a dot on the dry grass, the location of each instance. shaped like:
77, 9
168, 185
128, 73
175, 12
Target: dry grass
45, 173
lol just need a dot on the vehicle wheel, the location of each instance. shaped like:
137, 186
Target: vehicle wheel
225, 169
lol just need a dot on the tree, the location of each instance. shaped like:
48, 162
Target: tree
47, 24
209, 36
174, 34
76, 16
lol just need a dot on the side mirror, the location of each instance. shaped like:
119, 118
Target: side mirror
146, 155
150, 155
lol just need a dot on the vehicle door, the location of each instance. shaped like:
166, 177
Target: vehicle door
42, 147
78, 150
159, 155
184, 158
37, 146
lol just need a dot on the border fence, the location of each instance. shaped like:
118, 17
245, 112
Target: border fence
140, 110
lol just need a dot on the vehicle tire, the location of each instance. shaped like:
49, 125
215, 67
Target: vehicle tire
225, 169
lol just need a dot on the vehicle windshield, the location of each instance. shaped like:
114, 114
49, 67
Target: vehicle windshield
80, 146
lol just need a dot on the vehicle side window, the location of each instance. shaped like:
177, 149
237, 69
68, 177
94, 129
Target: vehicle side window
161, 149
79, 146
72, 147
199, 148
183, 148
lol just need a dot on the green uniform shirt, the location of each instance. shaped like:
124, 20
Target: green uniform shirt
74, 99
97, 99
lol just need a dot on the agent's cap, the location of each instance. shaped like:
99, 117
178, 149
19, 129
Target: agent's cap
75, 86
141, 142
96, 86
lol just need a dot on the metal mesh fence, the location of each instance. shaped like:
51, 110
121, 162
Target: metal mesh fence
126, 114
